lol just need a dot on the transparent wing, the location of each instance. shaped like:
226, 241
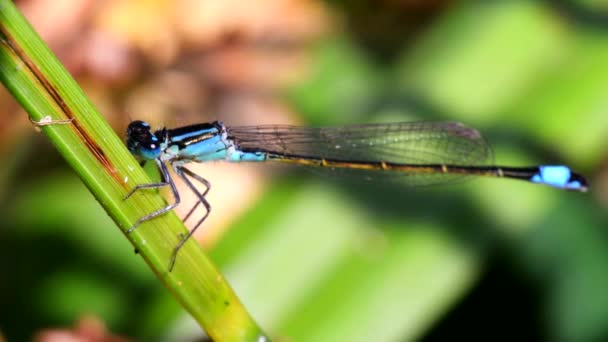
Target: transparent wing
411, 143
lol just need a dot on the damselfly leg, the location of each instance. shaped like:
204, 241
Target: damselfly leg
166, 180
184, 173
207, 185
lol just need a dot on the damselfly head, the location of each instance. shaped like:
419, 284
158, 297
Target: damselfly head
141, 142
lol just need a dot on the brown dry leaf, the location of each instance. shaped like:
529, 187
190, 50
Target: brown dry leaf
143, 24
109, 60
167, 95
208, 22
251, 68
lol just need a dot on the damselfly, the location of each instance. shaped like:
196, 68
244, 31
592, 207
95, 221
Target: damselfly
419, 153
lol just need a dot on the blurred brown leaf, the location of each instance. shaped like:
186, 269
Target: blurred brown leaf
87, 329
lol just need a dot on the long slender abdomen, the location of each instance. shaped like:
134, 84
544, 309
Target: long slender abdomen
557, 176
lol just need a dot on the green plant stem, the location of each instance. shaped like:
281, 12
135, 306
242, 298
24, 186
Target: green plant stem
44, 88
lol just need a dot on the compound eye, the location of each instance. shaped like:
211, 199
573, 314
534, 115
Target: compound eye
138, 128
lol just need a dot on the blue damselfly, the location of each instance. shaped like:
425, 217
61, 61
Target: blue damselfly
419, 153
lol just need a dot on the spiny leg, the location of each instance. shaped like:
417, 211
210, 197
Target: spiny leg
183, 173
161, 184
207, 185
167, 180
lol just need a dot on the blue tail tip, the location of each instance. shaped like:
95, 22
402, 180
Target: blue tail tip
560, 176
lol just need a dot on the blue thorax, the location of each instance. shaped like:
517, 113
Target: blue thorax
199, 143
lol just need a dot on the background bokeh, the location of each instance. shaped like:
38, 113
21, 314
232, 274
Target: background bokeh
314, 259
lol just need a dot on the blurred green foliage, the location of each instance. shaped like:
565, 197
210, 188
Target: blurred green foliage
317, 260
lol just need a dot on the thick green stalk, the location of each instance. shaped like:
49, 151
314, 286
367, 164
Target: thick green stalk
44, 88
